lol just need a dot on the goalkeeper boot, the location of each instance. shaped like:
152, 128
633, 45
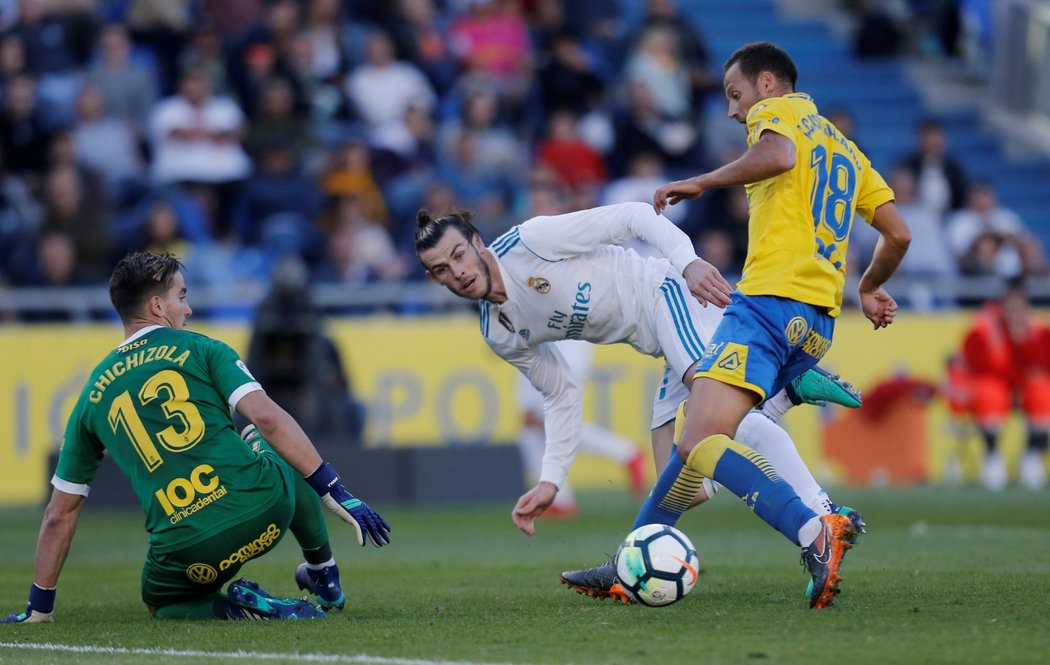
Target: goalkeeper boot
817, 386
246, 600
597, 582
823, 558
323, 584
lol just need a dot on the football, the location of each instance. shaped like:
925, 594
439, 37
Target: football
657, 565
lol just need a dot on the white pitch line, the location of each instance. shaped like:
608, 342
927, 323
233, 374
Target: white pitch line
254, 655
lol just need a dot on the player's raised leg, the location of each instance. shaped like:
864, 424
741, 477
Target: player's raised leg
707, 450
756, 431
748, 475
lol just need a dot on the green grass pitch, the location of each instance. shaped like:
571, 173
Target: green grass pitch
944, 576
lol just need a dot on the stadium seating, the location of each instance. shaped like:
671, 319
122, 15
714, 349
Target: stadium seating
886, 105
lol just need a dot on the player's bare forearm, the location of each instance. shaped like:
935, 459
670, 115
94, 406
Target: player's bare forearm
281, 431
884, 263
894, 239
291, 443
56, 535
772, 155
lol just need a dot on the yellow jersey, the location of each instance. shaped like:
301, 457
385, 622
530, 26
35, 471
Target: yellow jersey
800, 220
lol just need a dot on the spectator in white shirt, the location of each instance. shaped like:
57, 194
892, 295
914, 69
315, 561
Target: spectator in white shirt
929, 254
382, 88
989, 239
196, 137
940, 180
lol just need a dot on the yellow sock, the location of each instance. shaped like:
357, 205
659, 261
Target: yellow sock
682, 492
705, 456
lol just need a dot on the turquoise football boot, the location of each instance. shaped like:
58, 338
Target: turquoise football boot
817, 386
247, 601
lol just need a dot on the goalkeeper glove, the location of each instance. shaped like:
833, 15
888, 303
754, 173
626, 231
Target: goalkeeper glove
367, 522
41, 607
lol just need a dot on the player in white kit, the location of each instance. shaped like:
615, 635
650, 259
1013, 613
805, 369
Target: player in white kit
561, 277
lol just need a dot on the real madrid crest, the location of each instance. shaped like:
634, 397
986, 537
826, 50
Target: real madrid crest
540, 284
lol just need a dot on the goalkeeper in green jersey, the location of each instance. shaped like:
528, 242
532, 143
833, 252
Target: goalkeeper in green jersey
161, 404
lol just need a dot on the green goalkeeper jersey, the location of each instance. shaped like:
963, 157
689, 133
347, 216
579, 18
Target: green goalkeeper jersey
161, 405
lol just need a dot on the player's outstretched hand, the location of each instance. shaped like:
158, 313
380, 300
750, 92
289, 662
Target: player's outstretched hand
707, 284
368, 523
40, 610
676, 191
879, 307
531, 505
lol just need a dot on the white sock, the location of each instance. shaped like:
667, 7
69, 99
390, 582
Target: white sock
809, 532
603, 443
772, 442
776, 406
823, 504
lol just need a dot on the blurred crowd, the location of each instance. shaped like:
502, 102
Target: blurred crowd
236, 132
240, 132
959, 226
958, 29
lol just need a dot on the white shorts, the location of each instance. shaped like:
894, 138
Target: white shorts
669, 394
683, 327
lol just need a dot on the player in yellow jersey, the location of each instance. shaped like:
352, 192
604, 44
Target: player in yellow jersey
805, 182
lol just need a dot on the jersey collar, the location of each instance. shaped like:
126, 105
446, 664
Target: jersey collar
508, 283
139, 333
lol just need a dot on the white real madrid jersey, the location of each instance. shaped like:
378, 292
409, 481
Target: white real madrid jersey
566, 278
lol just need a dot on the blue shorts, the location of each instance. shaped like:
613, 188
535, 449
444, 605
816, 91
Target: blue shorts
765, 341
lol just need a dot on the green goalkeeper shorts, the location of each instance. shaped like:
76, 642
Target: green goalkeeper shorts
202, 569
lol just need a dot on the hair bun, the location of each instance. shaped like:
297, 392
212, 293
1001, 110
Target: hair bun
423, 218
